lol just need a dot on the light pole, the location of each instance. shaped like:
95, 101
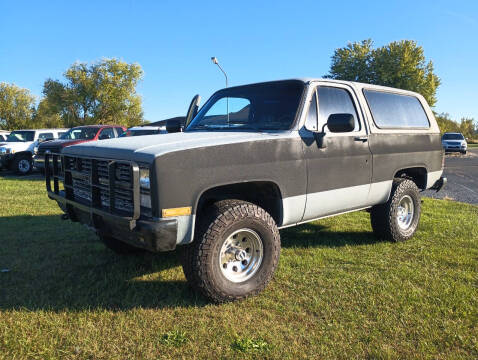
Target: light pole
214, 60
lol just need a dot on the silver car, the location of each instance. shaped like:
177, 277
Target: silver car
454, 142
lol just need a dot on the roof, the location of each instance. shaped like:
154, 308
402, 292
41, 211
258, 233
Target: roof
145, 127
97, 126
307, 80
41, 130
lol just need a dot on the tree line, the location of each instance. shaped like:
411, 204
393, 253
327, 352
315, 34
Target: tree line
100, 93
105, 92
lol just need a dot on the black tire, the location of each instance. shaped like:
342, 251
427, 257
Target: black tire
22, 164
119, 247
387, 222
202, 259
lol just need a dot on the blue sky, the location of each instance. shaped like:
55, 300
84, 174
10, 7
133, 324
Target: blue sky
254, 41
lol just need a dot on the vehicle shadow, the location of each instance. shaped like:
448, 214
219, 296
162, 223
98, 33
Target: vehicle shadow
50, 264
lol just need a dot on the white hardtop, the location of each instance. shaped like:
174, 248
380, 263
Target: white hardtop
146, 127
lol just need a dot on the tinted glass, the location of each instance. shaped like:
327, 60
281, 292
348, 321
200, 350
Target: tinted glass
335, 101
21, 136
44, 136
80, 134
395, 110
271, 106
452, 137
311, 121
107, 133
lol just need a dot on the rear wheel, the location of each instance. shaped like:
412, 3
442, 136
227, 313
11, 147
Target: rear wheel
22, 164
398, 218
235, 251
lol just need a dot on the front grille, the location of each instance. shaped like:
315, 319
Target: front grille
42, 149
108, 185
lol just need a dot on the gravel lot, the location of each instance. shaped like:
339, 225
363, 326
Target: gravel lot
462, 174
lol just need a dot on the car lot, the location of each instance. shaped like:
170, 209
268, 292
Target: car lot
462, 174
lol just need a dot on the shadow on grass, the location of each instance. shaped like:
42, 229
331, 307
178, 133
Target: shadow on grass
11, 175
317, 235
57, 265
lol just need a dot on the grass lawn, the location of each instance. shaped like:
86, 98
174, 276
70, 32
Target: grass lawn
338, 293
472, 145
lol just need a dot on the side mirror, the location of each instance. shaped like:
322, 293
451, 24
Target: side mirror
193, 110
339, 123
173, 126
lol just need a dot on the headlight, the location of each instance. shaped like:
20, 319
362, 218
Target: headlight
144, 182
5, 151
145, 186
35, 149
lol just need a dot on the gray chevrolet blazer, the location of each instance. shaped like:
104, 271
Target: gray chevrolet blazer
255, 159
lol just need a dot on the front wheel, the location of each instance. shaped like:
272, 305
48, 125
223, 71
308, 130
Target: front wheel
235, 252
22, 164
398, 218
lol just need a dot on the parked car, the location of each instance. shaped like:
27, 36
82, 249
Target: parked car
144, 130
76, 135
16, 153
255, 159
454, 142
3, 136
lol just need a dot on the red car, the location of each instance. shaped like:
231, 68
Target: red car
76, 135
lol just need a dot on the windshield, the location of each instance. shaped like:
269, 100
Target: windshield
80, 133
270, 106
139, 132
21, 136
453, 137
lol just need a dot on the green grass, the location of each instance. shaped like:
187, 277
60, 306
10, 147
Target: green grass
472, 145
338, 293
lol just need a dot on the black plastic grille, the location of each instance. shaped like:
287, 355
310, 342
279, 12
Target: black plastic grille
90, 182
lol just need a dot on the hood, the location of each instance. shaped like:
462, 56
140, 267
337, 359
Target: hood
146, 148
60, 143
19, 145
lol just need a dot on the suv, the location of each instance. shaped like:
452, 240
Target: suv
76, 135
16, 153
253, 160
454, 142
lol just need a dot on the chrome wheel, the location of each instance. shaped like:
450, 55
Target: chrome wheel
405, 212
24, 166
241, 255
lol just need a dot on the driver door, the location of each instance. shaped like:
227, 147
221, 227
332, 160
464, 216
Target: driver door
339, 175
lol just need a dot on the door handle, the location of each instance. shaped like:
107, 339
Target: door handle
361, 138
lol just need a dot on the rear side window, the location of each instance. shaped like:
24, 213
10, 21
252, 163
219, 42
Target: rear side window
45, 136
396, 111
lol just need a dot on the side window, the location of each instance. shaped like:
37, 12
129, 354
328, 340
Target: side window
335, 101
107, 133
395, 110
119, 131
45, 136
311, 120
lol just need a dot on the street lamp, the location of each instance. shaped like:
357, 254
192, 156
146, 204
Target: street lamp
214, 60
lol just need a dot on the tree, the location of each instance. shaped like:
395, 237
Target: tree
400, 64
16, 107
467, 127
100, 93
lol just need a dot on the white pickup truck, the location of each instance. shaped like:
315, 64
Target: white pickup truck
17, 151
